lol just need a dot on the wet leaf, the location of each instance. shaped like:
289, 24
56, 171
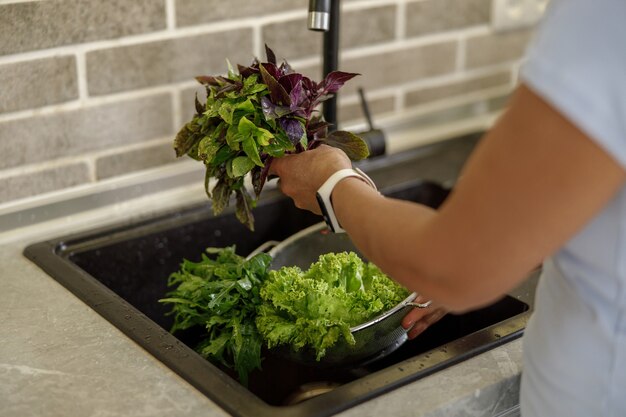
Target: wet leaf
351, 144
272, 111
293, 128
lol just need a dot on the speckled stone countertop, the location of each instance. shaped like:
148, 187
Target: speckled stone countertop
60, 358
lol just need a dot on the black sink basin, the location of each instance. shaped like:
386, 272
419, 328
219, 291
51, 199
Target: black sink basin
122, 271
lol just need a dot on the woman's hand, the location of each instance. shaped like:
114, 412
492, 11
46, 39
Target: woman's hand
301, 175
419, 319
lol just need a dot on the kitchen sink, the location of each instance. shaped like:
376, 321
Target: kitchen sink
121, 272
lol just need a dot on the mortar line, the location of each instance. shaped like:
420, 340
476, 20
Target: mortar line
81, 76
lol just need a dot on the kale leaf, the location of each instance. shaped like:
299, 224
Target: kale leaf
221, 293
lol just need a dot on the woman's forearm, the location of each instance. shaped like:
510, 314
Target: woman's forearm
397, 236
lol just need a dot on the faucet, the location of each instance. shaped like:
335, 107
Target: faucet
324, 17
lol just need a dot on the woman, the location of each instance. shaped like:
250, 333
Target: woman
547, 182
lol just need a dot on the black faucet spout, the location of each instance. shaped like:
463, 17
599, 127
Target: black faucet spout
331, 9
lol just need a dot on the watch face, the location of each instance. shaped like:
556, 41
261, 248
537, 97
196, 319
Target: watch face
320, 202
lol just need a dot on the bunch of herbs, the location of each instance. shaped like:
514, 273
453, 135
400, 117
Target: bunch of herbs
262, 111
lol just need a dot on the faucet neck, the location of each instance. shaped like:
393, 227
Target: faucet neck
331, 60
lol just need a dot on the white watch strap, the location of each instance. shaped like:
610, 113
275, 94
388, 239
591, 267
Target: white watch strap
326, 190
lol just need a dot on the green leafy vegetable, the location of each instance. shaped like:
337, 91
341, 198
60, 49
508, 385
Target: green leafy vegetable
244, 306
222, 295
317, 307
262, 112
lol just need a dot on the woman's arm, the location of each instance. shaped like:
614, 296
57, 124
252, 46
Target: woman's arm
532, 183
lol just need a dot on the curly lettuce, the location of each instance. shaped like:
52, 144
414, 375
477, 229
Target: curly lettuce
317, 307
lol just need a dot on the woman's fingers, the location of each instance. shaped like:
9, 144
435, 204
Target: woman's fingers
419, 319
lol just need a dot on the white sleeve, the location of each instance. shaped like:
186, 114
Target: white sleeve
577, 62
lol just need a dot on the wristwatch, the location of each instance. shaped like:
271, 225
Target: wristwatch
326, 190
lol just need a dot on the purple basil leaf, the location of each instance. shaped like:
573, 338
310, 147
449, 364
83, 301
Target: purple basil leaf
335, 80
259, 176
270, 69
247, 71
293, 128
227, 88
290, 81
277, 92
208, 80
296, 96
272, 111
317, 128
200, 108
271, 57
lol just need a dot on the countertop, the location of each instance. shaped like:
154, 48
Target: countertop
60, 358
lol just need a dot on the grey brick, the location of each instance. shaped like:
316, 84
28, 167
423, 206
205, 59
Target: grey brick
493, 49
44, 24
292, 40
135, 160
173, 60
368, 26
432, 16
194, 12
38, 83
424, 95
47, 137
26, 185
401, 66
354, 112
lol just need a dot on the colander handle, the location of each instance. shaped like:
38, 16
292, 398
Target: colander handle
263, 248
420, 305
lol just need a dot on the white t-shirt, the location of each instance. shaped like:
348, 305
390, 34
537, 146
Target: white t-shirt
575, 343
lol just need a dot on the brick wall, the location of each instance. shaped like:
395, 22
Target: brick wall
94, 89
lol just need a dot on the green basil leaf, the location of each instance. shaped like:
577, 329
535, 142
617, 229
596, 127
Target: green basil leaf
226, 111
246, 127
207, 148
250, 148
242, 165
246, 106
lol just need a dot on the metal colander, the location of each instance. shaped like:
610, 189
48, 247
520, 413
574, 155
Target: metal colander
375, 338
